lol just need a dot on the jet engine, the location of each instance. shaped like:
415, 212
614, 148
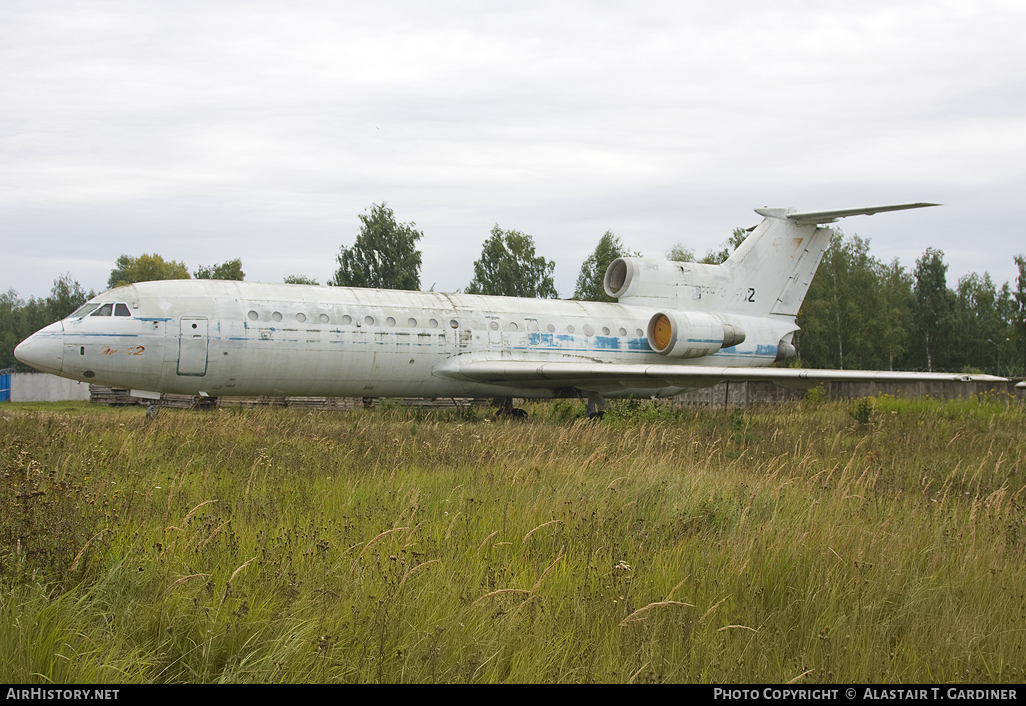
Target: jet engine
639, 281
786, 349
629, 277
690, 334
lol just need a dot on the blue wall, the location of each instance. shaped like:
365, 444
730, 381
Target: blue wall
5, 388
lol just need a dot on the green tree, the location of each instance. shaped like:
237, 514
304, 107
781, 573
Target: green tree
978, 328
934, 312
300, 279
66, 295
384, 256
20, 319
145, 268
508, 267
593, 270
844, 318
716, 257
228, 270
679, 253
1005, 344
896, 283
1018, 317
11, 327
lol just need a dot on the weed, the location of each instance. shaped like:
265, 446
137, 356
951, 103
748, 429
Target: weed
816, 395
861, 410
274, 545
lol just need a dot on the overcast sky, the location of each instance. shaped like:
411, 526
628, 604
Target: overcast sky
208, 131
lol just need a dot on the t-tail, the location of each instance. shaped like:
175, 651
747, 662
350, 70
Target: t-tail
769, 273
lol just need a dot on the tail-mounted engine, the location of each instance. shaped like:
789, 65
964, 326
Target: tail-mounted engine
658, 283
639, 281
635, 277
689, 334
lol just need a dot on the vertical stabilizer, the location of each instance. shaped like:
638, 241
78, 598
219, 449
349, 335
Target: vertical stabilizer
769, 274
772, 270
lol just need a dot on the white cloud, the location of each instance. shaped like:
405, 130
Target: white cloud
263, 129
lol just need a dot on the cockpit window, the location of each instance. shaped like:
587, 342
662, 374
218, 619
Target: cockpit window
104, 310
83, 310
121, 310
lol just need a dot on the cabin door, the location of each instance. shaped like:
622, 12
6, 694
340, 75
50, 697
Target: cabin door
192, 346
494, 333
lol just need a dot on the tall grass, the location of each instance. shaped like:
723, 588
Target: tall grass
791, 544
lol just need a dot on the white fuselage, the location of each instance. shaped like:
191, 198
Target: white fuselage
240, 338
676, 326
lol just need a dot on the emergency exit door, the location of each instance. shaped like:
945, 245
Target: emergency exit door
192, 346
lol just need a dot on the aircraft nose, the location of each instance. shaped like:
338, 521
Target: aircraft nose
43, 350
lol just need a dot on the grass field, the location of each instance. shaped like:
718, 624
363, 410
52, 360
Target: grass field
875, 541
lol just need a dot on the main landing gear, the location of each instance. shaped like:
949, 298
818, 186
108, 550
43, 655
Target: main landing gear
506, 410
596, 405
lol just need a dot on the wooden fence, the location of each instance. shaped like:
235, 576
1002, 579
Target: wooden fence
749, 394
725, 395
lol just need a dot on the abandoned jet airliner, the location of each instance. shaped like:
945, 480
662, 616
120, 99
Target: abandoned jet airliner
676, 326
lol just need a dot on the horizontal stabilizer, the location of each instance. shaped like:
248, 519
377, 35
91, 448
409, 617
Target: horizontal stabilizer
818, 217
811, 218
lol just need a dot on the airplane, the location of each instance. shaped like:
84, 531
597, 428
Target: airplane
676, 326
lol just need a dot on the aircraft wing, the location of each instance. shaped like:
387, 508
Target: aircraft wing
607, 377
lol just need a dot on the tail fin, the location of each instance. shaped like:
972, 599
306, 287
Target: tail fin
772, 269
769, 273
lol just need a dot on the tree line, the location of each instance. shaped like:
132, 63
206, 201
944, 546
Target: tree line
859, 313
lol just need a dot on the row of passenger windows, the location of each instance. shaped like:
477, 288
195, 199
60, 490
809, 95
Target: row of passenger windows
101, 309
531, 324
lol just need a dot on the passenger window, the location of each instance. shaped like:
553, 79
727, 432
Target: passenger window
121, 310
104, 310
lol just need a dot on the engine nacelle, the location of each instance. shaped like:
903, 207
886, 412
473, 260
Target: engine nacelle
639, 281
641, 277
690, 334
785, 350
